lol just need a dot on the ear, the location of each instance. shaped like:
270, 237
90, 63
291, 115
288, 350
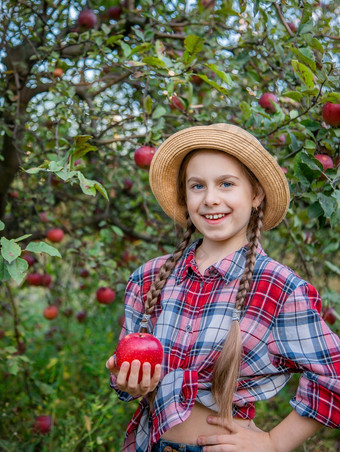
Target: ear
258, 197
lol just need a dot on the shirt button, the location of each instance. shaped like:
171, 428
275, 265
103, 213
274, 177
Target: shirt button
188, 328
201, 284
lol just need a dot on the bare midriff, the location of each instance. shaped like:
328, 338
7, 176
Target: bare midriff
196, 425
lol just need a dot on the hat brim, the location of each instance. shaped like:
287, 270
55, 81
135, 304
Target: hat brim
226, 138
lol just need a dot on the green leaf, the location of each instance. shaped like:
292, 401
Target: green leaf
55, 166
155, 62
113, 39
99, 187
42, 247
328, 204
314, 210
117, 231
225, 77
305, 55
246, 110
219, 88
126, 48
193, 45
4, 275
81, 147
334, 268
158, 112
89, 186
306, 168
304, 73
148, 104
17, 269
2, 226
10, 250
331, 97
23, 237
295, 95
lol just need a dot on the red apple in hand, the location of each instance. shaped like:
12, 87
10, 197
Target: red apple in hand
105, 295
331, 114
144, 155
325, 160
42, 424
267, 101
142, 346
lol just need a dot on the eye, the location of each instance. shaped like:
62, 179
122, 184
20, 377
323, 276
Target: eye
197, 186
226, 184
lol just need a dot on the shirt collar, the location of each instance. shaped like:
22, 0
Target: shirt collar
230, 267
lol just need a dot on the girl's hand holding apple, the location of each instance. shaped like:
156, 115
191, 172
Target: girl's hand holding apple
128, 376
137, 363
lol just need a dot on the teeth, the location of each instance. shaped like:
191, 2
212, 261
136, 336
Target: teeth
215, 217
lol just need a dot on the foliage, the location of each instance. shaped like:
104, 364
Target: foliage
67, 143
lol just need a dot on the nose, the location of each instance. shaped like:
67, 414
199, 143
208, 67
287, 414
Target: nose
212, 197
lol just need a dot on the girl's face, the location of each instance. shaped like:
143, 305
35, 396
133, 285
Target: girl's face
219, 199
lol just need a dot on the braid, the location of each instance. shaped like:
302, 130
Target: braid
166, 269
227, 366
255, 228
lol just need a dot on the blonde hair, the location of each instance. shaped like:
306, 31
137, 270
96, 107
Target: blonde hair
227, 366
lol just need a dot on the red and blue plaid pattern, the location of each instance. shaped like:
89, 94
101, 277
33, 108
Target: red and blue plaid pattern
282, 333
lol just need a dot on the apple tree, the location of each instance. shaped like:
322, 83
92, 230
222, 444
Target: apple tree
89, 91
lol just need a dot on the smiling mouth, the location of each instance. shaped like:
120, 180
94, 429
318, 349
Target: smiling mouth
216, 216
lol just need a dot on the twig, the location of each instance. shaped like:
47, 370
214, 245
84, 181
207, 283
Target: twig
279, 12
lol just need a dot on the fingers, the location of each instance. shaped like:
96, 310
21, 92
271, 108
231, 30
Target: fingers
216, 443
111, 364
129, 378
232, 426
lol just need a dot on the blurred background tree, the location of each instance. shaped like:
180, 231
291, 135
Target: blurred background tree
89, 90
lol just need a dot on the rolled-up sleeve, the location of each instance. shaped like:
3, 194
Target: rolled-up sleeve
301, 342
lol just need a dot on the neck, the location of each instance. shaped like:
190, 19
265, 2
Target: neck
210, 252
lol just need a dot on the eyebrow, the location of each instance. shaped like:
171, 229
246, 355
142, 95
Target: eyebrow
219, 178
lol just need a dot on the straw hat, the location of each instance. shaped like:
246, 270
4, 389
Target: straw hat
227, 138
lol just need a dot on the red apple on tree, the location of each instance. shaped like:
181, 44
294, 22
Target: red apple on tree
176, 103
267, 101
58, 72
144, 155
293, 27
51, 312
81, 316
325, 160
331, 114
34, 279
55, 235
42, 424
329, 315
29, 259
142, 346
105, 295
87, 19
114, 12
45, 280
127, 184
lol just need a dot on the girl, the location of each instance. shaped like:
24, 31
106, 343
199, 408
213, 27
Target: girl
234, 323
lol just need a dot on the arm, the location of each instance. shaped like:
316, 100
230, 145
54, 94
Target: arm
285, 437
293, 431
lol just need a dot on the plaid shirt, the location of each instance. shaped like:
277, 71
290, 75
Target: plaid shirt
282, 333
